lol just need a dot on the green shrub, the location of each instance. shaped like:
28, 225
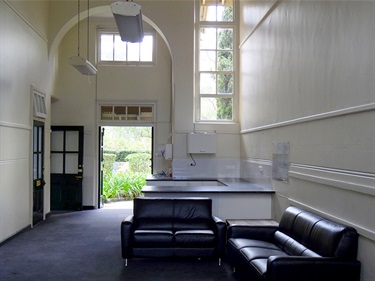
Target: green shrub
123, 185
139, 162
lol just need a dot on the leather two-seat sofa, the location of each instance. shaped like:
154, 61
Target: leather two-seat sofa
172, 227
303, 247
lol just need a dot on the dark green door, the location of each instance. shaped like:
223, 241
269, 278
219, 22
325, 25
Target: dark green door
38, 171
66, 167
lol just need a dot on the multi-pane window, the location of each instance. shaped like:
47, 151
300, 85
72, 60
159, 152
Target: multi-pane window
215, 80
113, 49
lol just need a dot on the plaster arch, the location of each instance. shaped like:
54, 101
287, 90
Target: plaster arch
106, 9
95, 11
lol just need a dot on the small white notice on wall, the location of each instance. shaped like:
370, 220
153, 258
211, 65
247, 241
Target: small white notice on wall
280, 161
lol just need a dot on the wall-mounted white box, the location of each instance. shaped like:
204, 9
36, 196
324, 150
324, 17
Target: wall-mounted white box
201, 143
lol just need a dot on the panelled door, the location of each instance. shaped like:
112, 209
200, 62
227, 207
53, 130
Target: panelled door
38, 171
66, 167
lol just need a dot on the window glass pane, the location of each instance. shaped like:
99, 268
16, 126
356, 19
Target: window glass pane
106, 47
208, 13
120, 49
106, 112
225, 38
225, 12
207, 38
208, 109
225, 83
207, 61
147, 47
224, 61
207, 83
216, 109
224, 108
133, 51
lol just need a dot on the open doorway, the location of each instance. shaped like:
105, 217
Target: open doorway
126, 160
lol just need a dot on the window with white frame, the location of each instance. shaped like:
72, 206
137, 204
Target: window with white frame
215, 64
112, 49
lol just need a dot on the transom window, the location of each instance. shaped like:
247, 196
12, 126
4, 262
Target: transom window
215, 73
112, 49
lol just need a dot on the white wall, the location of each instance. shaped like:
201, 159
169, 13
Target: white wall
76, 96
24, 62
307, 72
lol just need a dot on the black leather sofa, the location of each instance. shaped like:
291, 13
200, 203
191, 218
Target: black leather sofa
303, 247
172, 227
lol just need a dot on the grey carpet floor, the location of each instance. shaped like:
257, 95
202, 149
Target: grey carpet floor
86, 246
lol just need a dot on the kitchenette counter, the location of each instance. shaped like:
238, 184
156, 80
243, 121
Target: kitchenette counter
221, 185
232, 198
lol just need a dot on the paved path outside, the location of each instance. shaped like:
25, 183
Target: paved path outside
119, 205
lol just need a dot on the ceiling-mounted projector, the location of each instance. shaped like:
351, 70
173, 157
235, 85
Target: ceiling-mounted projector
128, 17
83, 65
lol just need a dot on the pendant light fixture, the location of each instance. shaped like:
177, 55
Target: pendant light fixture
80, 63
128, 17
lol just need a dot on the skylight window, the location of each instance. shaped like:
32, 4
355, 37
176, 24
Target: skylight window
112, 49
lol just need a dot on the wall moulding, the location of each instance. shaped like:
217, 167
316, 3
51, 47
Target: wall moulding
315, 117
343, 179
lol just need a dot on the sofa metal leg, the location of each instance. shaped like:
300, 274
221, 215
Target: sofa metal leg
126, 262
234, 270
219, 261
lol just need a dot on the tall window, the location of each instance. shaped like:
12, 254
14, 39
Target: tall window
112, 49
215, 73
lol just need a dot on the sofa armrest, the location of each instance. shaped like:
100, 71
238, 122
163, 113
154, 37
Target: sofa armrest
297, 268
221, 231
126, 236
258, 232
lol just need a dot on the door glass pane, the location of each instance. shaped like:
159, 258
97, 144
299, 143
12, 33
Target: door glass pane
40, 133
35, 139
56, 163
71, 163
72, 141
40, 167
57, 141
35, 160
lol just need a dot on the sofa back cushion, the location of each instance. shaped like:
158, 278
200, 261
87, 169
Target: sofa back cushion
172, 213
192, 213
153, 213
321, 236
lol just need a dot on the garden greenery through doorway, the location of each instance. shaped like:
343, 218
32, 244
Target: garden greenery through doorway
127, 161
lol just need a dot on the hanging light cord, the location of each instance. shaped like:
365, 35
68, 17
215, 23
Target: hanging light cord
79, 19
88, 28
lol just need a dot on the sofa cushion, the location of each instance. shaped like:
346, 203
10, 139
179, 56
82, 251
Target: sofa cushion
253, 253
195, 238
326, 237
198, 209
152, 208
152, 238
239, 243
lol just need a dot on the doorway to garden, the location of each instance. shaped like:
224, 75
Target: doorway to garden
125, 161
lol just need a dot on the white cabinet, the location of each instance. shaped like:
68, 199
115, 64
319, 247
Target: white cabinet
201, 143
